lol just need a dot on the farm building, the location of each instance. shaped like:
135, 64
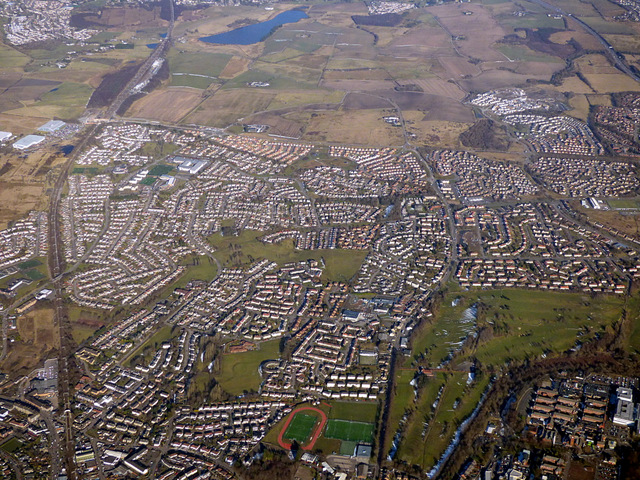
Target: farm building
5, 136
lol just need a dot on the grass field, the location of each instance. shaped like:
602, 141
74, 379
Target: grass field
401, 400
29, 264
300, 427
349, 431
442, 422
539, 20
11, 445
520, 52
602, 26
619, 203
160, 170
208, 64
10, 57
340, 265
354, 411
239, 371
524, 323
68, 94
199, 268
633, 332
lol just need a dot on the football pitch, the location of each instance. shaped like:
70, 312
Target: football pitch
349, 431
300, 427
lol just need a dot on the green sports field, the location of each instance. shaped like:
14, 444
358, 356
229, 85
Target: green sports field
349, 431
300, 427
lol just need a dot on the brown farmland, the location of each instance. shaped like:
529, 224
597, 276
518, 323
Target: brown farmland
169, 105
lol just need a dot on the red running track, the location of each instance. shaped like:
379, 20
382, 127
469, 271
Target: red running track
323, 420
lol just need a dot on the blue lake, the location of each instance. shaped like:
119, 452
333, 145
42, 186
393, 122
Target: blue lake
257, 32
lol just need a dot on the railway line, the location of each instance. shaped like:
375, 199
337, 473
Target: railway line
57, 266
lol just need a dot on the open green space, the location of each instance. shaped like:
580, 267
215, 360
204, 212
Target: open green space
239, 371
80, 332
85, 171
537, 20
190, 80
34, 274
11, 445
516, 325
348, 448
279, 78
200, 63
349, 431
12, 58
430, 429
300, 427
29, 264
148, 181
603, 26
623, 203
400, 401
158, 149
354, 411
159, 170
241, 250
412, 444
198, 268
633, 322
522, 323
68, 94
522, 53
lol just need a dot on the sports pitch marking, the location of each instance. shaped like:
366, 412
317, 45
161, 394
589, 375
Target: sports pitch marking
350, 431
316, 433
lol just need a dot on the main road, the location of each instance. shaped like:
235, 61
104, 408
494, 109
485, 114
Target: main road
146, 70
616, 58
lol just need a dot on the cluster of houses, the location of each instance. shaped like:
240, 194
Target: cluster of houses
618, 126
282, 153
384, 163
24, 239
407, 254
595, 276
512, 100
349, 238
226, 430
531, 229
477, 178
39, 21
336, 183
132, 246
582, 177
380, 8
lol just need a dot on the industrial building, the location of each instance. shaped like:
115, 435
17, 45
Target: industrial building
27, 142
51, 126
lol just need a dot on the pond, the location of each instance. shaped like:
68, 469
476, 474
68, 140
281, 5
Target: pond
257, 32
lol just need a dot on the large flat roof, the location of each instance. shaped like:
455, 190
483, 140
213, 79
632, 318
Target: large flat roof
52, 126
28, 141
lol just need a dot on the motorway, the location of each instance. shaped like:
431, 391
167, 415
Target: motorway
616, 58
146, 71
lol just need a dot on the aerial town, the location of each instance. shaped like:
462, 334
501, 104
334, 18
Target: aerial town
132, 222
187, 298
